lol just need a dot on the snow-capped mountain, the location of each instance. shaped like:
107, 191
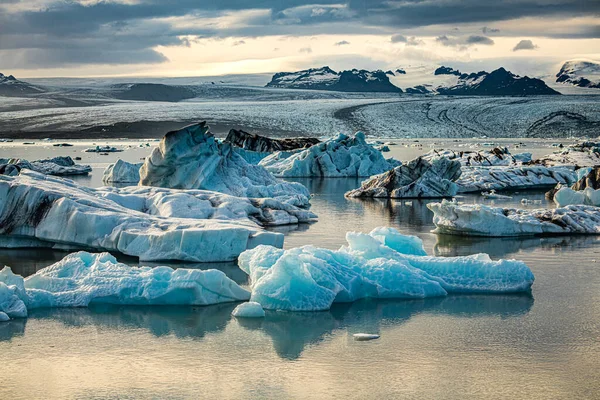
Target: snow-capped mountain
11, 86
496, 83
327, 79
580, 73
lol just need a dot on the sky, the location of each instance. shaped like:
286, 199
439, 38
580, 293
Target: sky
92, 38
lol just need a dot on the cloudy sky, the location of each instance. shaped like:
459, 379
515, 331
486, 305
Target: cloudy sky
40, 38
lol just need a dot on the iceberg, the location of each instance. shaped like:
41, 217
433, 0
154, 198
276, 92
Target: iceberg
480, 220
191, 158
585, 191
82, 278
417, 179
262, 144
61, 166
498, 156
150, 223
477, 179
250, 309
122, 172
585, 154
382, 264
344, 156
102, 149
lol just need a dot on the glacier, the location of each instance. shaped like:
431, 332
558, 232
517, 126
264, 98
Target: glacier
82, 278
417, 179
381, 264
191, 158
150, 223
122, 172
343, 156
481, 220
60, 166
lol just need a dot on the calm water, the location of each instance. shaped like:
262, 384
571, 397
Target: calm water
540, 346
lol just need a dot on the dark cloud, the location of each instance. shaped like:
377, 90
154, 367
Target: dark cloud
239, 43
474, 39
525, 45
342, 43
487, 30
71, 28
398, 39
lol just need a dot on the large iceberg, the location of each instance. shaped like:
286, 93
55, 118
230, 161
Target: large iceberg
417, 179
344, 156
262, 144
150, 223
480, 220
382, 264
476, 179
81, 279
122, 172
61, 166
191, 158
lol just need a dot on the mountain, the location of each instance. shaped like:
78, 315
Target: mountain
496, 83
153, 92
580, 73
12, 87
327, 79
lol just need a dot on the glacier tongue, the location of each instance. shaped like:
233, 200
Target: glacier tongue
382, 264
150, 223
344, 156
191, 158
83, 278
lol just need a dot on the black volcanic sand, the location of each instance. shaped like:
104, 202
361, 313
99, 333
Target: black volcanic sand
142, 130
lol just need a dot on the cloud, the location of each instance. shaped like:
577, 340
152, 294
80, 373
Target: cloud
239, 43
525, 44
474, 39
413, 41
398, 39
306, 50
464, 42
342, 43
487, 30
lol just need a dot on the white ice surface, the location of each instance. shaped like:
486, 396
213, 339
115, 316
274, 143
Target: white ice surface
122, 172
382, 264
250, 309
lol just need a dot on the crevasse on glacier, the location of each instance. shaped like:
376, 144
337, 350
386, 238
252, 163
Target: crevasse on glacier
382, 264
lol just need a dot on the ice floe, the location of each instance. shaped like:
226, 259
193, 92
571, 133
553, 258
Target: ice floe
191, 158
417, 179
150, 223
382, 264
61, 166
103, 149
498, 156
122, 172
480, 220
476, 179
344, 156
82, 278
250, 309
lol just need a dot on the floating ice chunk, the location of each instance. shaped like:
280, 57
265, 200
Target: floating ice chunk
498, 156
122, 172
81, 279
566, 196
249, 309
365, 336
41, 211
417, 179
310, 279
477, 179
191, 158
481, 220
4, 317
61, 166
344, 156
102, 149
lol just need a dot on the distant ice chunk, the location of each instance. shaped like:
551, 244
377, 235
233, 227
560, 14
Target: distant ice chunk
60, 166
250, 309
122, 172
191, 158
480, 220
498, 156
344, 156
417, 179
477, 179
365, 336
82, 278
311, 279
103, 149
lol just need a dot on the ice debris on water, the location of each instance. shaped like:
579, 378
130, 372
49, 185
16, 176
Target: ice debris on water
365, 336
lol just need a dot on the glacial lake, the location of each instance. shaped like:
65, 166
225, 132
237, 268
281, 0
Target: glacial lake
543, 345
